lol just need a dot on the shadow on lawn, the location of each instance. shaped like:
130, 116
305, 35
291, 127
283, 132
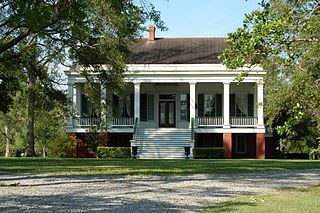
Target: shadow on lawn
82, 202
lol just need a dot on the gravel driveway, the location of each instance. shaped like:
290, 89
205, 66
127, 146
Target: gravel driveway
76, 193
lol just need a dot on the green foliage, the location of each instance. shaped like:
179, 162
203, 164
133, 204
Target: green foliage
113, 152
38, 36
283, 37
295, 116
208, 153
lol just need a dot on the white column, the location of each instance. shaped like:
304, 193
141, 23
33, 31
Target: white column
70, 104
192, 100
137, 101
77, 98
260, 103
226, 103
103, 105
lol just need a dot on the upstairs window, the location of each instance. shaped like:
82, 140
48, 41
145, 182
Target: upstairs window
146, 107
184, 107
209, 105
241, 105
123, 106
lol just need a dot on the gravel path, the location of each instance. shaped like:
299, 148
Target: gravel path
76, 193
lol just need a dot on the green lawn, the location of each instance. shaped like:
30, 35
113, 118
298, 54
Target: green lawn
289, 200
148, 167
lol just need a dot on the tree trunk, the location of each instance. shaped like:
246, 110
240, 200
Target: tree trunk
44, 143
31, 99
7, 142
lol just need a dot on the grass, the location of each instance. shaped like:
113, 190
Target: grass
148, 167
288, 200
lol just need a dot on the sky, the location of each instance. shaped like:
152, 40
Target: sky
202, 18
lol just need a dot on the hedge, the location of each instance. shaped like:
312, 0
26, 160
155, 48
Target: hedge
113, 152
296, 156
208, 153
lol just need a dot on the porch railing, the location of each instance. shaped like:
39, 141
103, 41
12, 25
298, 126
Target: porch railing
244, 121
122, 122
209, 121
218, 121
86, 122
115, 122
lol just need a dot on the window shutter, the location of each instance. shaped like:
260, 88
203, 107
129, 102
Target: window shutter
84, 105
188, 107
115, 105
132, 105
250, 105
232, 105
218, 104
143, 107
200, 105
150, 108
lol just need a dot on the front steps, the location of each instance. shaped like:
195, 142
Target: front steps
162, 143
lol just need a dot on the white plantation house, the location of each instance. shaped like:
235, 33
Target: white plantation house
179, 94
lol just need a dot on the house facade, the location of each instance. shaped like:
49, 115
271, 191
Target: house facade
178, 94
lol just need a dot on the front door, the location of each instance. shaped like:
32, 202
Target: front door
167, 113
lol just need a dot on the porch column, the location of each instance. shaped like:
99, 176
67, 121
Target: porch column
137, 101
226, 103
192, 100
103, 105
70, 103
260, 104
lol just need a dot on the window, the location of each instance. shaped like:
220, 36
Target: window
241, 105
87, 108
123, 106
209, 105
240, 144
146, 107
184, 107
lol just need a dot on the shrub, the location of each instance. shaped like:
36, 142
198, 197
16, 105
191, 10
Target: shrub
208, 153
296, 156
113, 152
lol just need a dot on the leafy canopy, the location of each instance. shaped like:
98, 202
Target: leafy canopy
283, 36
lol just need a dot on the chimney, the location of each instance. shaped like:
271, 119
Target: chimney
152, 32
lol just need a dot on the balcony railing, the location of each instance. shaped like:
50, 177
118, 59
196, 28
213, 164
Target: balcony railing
218, 121
115, 122
86, 122
209, 121
243, 121
122, 122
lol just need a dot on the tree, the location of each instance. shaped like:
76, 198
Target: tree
38, 34
12, 125
283, 37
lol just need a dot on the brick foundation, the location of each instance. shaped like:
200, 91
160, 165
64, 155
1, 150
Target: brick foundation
260, 146
227, 144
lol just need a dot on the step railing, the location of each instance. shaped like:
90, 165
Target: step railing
135, 129
192, 129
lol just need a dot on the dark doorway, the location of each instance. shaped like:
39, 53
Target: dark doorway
167, 115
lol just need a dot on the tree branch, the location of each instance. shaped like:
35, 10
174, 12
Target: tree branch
14, 41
